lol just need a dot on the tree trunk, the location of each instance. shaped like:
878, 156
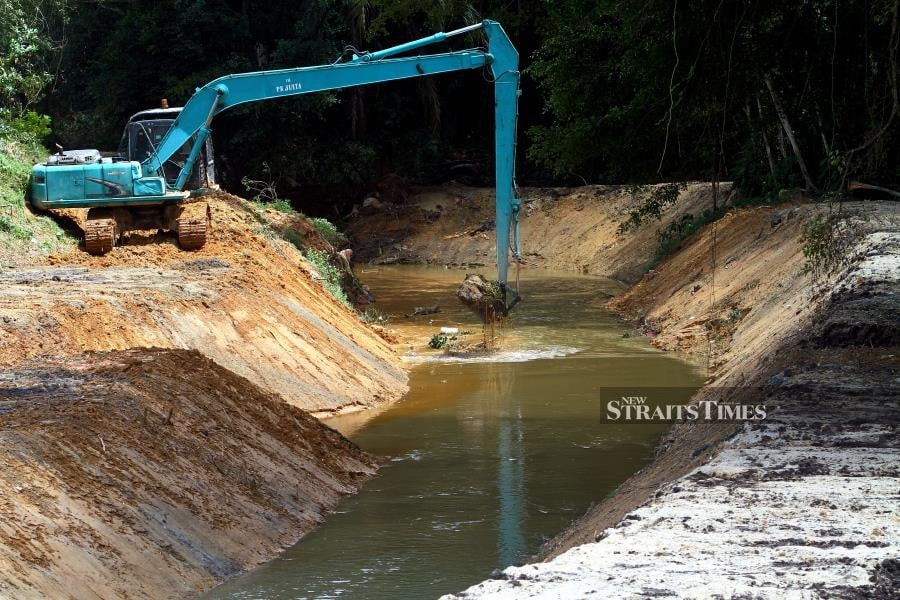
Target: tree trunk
789, 132
762, 132
765, 137
825, 143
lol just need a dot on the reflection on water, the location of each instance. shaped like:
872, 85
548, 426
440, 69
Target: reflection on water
485, 458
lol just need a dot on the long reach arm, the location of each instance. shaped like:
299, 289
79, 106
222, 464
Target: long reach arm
193, 123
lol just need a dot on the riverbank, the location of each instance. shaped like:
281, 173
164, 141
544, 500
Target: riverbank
736, 297
802, 503
151, 473
247, 299
156, 428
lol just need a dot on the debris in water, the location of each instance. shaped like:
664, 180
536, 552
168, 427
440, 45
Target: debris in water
426, 310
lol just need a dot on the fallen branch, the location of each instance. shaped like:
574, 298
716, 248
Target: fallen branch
858, 185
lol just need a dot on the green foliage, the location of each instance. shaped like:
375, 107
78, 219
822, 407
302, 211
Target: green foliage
827, 241
329, 231
26, 126
373, 317
21, 231
282, 206
653, 201
635, 91
613, 91
331, 276
670, 238
294, 238
443, 341
22, 48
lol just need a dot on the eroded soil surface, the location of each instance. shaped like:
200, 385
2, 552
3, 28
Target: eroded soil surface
246, 300
154, 473
572, 229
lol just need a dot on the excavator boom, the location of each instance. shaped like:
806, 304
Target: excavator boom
126, 184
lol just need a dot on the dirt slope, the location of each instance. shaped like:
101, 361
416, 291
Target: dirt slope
246, 300
154, 474
572, 229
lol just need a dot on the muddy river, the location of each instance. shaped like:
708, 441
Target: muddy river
485, 458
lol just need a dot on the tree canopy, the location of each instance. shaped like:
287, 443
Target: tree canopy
766, 93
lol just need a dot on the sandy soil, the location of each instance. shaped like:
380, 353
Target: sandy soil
154, 433
154, 474
573, 229
246, 299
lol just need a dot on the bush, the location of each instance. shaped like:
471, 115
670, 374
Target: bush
26, 127
653, 202
331, 276
827, 241
263, 192
671, 237
17, 223
329, 231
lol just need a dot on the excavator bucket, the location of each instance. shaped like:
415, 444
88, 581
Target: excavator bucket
488, 299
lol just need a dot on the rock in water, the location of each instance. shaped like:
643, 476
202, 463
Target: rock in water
483, 296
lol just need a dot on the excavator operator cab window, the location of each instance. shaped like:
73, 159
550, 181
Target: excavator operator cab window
141, 139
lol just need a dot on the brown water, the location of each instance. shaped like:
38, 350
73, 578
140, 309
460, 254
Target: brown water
485, 458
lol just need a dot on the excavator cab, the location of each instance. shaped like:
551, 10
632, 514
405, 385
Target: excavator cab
142, 135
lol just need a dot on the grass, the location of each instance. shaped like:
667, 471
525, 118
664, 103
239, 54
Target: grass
670, 237
22, 232
329, 231
331, 276
320, 260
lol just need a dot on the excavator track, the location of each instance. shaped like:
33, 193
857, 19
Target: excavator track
99, 234
193, 224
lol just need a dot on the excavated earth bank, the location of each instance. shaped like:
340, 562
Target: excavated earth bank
154, 473
802, 504
155, 435
247, 300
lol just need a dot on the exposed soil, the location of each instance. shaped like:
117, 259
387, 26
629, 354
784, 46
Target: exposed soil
572, 229
247, 299
781, 322
153, 473
154, 433
802, 503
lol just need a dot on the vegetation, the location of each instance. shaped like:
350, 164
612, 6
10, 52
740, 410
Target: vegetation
653, 201
827, 239
769, 94
21, 231
331, 276
329, 231
670, 238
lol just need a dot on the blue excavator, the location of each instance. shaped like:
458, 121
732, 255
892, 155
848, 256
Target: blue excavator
159, 176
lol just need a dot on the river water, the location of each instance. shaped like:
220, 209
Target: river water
487, 457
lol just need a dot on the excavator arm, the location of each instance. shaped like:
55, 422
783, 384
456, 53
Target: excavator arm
193, 123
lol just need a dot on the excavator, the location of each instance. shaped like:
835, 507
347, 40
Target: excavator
163, 167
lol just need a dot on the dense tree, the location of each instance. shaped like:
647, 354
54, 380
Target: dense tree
768, 93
